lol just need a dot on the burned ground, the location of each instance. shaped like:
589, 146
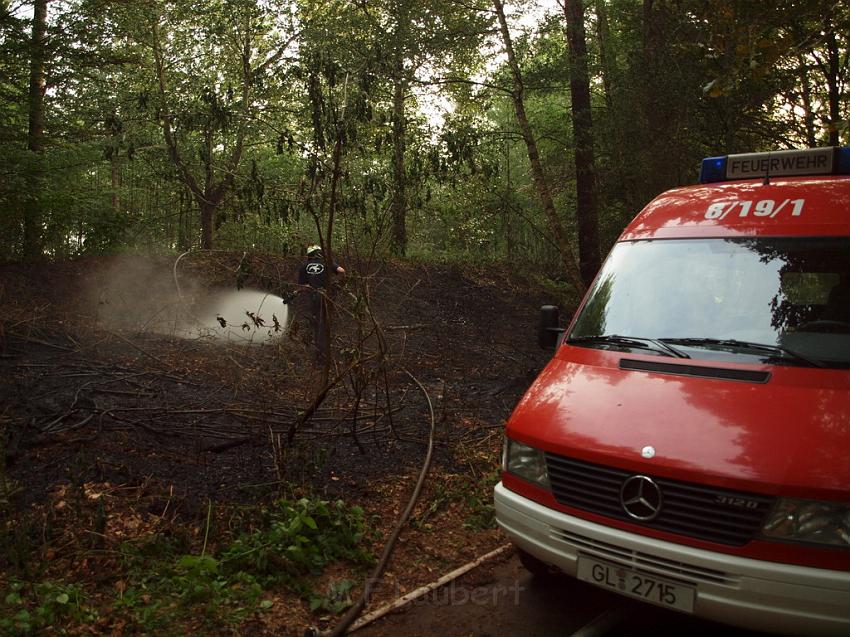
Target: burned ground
96, 401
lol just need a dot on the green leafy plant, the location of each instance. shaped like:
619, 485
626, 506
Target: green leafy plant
290, 543
164, 591
479, 503
27, 609
336, 600
300, 538
442, 497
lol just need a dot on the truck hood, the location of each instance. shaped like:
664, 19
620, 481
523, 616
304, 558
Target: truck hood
787, 436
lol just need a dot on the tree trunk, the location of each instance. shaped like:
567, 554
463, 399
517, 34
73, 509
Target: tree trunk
603, 33
507, 213
214, 191
399, 204
115, 183
35, 137
399, 197
538, 175
207, 223
586, 213
32, 239
806, 96
327, 246
655, 141
833, 84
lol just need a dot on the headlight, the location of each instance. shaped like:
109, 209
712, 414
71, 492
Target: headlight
525, 462
809, 521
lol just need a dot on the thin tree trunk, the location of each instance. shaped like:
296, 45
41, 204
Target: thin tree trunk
32, 239
327, 301
832, 82
604, 35
207, 210
806, 95
586, 213
35, 137
115, 183
398, 205
654, 117
510, 238
538, 175
399, 197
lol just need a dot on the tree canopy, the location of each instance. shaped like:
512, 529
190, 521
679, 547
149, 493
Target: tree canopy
391, 127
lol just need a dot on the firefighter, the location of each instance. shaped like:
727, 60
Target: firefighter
313, 274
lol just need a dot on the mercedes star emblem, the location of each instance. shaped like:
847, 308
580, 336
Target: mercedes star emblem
641, 498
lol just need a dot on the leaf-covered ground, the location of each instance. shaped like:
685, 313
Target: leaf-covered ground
148, 482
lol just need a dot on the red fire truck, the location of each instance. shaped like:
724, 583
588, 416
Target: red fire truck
689, 442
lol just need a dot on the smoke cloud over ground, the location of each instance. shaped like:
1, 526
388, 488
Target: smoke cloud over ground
143, 296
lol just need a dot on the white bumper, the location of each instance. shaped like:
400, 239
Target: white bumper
750, 593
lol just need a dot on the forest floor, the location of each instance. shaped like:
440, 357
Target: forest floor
148, 483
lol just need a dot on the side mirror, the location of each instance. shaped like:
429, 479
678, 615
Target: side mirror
548, 330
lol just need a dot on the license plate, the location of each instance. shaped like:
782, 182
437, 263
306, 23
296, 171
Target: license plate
628, 582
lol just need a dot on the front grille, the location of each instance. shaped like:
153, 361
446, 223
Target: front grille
644, 561
689, 509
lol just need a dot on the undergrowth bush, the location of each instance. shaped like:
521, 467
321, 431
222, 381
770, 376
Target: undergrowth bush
163, 585
29, 609
297, 539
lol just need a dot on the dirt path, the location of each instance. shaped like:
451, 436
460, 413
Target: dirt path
503, 600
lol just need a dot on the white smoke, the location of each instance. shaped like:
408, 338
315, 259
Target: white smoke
248, 316
143, 296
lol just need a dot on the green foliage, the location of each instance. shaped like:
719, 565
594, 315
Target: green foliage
472, 492
252, 232
258, 93
479, 502
299, 539
290, 544
164, 592
336, 600
30, 609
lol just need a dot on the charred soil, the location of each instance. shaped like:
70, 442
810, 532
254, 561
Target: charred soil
118, 436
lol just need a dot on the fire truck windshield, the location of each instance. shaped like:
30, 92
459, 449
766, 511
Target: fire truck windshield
777, 300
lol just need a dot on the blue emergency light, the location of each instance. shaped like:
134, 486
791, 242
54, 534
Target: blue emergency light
833, 160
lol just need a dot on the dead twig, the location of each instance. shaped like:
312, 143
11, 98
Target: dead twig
141, 350
399, 328
38, 341
320, 398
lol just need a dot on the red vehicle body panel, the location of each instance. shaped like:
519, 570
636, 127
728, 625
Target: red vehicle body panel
718, 430
788, 437
681, 212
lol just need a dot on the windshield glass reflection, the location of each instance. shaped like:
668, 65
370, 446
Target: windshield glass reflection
721, 294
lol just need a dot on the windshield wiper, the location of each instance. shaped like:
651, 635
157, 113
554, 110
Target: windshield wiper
630, 341
739, 345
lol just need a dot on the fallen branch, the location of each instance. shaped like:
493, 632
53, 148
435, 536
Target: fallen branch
398, 328
424, 590
161, 363
320, 398
228, 444
37, 341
